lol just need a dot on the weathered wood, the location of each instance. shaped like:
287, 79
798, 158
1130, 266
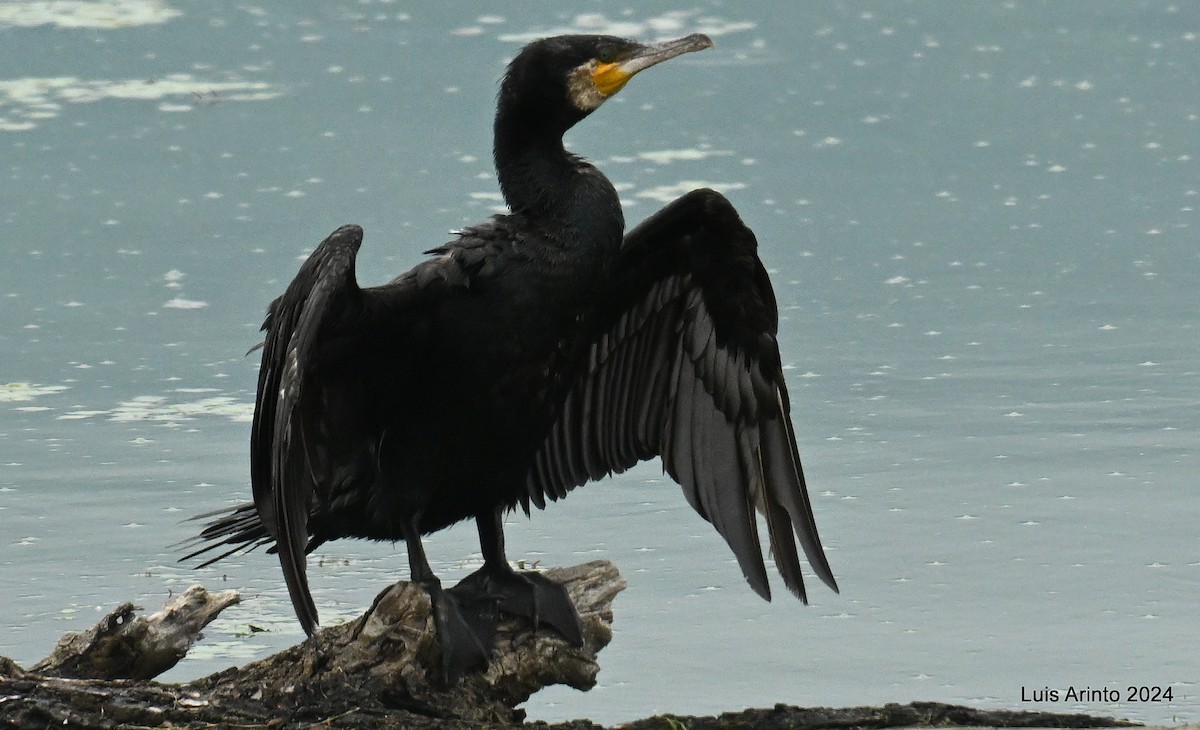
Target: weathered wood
390, 659
377, 669
128, 646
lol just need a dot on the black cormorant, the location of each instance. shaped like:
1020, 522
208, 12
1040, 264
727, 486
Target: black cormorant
537, 351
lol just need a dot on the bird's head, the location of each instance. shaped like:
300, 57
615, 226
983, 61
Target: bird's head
555, 82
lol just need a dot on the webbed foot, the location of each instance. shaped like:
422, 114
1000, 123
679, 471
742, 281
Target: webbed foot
466, 630
526, 594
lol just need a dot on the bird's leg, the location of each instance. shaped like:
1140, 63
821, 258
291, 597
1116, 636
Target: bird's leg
462, 647
526, 594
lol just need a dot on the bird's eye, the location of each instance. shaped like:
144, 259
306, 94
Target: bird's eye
606, 54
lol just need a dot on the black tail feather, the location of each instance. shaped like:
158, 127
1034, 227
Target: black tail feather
236, 529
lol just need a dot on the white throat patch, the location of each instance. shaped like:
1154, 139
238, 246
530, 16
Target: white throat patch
581, 88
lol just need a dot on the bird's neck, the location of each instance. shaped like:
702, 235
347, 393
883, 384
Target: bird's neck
540, 179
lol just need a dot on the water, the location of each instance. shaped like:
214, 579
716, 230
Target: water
981, 225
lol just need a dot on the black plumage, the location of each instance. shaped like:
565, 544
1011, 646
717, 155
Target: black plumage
537, 351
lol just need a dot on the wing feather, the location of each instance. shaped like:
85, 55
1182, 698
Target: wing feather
682, 363
782, 464
281, 474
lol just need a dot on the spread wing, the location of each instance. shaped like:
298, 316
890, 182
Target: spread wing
683, 364
312, 442
281, 478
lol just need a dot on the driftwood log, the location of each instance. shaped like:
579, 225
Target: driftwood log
379, 671
370, 672
127, 646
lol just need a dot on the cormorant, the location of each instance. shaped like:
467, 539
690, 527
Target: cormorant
537, 351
